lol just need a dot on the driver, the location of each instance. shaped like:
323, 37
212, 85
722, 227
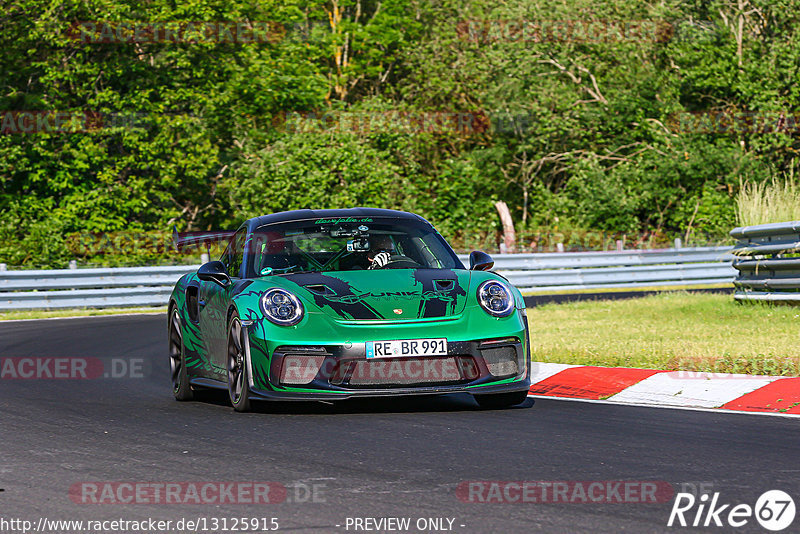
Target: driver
381, 250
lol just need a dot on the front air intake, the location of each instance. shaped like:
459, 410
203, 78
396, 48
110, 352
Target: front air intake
501, 361
300, 365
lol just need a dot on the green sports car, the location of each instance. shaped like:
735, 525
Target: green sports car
332, 304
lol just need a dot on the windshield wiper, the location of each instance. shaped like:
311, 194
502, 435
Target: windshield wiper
268, 271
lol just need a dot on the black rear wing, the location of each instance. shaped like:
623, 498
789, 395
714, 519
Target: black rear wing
183, 240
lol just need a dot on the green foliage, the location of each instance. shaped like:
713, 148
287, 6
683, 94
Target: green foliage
314, 170
607, 136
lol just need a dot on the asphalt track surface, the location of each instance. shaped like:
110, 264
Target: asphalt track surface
387, 458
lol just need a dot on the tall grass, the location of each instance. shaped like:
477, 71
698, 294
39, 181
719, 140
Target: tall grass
777, 200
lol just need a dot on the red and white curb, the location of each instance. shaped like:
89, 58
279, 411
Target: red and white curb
676, 389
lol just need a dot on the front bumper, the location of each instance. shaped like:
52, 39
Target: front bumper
257, 394
286, 370
335, 372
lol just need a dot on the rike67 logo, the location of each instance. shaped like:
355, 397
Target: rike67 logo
774, 510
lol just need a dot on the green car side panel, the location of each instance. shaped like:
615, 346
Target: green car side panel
198, 361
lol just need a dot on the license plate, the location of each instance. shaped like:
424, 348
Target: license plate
401, 348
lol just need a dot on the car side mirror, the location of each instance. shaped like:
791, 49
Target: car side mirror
480, 261
214, 271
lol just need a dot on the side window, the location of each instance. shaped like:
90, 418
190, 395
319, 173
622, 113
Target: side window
234, 254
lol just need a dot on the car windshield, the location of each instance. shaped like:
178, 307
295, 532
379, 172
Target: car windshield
347, 245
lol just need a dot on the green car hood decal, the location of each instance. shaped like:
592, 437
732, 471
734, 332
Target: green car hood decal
395, 294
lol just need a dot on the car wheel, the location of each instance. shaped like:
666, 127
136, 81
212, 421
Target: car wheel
177, 360
494, 401
238, 384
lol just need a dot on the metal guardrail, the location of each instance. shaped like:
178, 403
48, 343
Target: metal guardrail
568, 271
768, 262
89, 288
538, 272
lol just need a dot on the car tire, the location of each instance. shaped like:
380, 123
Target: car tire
494, 401
181, 388
238, 382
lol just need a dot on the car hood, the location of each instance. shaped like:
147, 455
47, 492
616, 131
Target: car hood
392, 294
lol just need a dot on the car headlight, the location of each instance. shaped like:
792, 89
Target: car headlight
496, 298
281, 307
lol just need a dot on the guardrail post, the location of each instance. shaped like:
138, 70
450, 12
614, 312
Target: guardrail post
678, 242
204, 258
3, 267
620, 245
73, 264
560, 247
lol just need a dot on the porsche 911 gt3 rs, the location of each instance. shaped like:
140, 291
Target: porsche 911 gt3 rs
333, 304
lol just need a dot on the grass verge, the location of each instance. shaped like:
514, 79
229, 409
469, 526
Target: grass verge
673, 331
624, 289
774, 201
81, 312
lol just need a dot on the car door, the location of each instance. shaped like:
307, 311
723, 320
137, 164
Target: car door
214, 301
